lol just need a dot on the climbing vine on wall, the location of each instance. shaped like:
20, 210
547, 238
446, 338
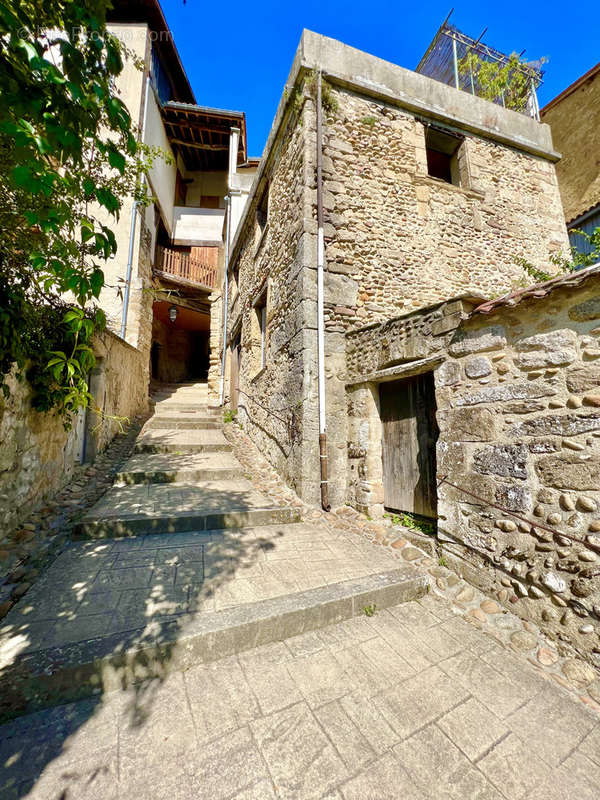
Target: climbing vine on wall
574, 261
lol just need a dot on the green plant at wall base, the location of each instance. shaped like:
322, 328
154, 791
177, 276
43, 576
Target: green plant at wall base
509, 82
442, 561
370, 609
68, 156
414, 523
229, 415
371, 121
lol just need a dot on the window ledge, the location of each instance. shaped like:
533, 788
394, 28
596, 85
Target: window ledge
258, 374
438, 183
262, 239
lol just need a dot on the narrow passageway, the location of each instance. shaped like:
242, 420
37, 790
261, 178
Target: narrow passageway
217, 645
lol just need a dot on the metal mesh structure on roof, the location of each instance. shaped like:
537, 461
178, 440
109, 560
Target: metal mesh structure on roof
444, 61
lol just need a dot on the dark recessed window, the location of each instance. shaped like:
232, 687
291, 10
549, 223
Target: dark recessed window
262, 211
442, 155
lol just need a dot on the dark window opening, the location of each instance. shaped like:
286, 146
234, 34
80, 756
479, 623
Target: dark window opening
262, 211
442, 155
160, 79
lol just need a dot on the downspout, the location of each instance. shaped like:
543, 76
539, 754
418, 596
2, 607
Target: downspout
234, 139
225, 300
320, 306
133, 225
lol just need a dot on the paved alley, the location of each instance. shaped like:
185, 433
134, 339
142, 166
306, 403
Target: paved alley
410, 703
200, 639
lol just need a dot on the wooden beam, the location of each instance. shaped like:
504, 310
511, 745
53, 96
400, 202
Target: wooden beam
199, 146
225, 130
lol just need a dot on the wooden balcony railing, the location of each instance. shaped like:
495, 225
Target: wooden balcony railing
200, 266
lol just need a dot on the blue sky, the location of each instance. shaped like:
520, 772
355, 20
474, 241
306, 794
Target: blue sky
238, 55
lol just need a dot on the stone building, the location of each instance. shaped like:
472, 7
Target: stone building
429, 193
429, 198
574, 116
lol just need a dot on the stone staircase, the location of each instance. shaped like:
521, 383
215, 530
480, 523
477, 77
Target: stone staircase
183, 561
182, 477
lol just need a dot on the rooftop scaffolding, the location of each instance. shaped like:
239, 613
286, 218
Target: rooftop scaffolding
452, 55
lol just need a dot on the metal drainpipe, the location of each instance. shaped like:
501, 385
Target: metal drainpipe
225, 300
234, 138
320, 311
132, 228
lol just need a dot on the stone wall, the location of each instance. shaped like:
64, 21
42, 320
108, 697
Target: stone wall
270, 261
519, 416
414, 343
37, 454
575, 123
410, 240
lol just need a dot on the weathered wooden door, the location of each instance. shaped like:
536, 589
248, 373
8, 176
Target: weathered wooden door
234, 374
409, 436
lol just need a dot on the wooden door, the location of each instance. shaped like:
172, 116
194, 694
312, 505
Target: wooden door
234, 374
408, 442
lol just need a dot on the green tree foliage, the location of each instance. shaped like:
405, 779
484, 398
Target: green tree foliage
508, 83
68, 155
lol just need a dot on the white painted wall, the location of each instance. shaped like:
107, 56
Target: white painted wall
198, 226
206, 183
130, 87
241, 183
162, 176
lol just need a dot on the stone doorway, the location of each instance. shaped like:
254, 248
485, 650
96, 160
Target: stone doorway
409, 436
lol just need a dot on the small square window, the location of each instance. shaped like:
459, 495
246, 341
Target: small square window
442, 150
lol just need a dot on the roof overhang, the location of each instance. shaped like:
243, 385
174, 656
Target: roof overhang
150, 12
201, 134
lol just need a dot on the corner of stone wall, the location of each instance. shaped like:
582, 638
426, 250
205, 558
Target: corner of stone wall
216, 347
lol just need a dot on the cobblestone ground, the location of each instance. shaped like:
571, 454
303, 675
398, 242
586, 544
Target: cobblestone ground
553, 659
410, 703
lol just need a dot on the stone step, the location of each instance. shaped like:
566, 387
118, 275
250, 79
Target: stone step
174, 507
181, 522
181, 441
187, 468
60, 674
167, 407
184, 422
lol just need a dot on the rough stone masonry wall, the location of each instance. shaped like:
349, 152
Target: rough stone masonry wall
519, 415
414, 343
575, 123
409, 240
37, 454
271, 400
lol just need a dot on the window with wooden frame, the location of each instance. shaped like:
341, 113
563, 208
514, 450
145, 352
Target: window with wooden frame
444, 157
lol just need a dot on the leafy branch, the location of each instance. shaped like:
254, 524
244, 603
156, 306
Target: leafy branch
69, 155
507, 82
574, 262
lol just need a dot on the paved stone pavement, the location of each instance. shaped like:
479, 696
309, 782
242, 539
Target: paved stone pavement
113, 585
410, 703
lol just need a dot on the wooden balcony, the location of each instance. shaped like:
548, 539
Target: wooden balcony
199, 267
